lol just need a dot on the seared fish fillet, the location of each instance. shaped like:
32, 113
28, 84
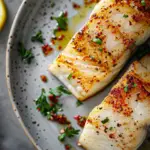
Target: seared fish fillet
120, 122
99, 50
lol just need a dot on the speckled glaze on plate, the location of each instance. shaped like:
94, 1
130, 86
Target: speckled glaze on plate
23, 80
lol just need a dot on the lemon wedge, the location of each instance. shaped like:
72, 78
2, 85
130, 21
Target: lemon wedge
3, 14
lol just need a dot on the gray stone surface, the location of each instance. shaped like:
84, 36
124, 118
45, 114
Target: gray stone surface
12, 136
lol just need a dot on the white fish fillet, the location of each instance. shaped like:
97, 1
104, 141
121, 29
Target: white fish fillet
120, 122
120, 27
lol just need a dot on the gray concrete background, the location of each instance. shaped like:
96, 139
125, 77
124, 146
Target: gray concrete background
12, 136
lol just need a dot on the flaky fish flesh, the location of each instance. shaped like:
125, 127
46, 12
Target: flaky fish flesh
120, 122
97, 53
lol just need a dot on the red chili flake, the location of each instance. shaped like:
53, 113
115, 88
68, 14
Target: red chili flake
43, 78
99, 22
65, 13
60, 118
53, 41
89, 120
51, 105
58, 29
76, 117
46, 49
138, 17
61, 37
38, 109
53, 98
60, 47
76, 6
81, 120
130, 23
68, 147
112, 136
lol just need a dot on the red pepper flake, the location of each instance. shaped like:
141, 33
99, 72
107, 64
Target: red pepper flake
75, 6
53, 41
66, 14
44, 78
38, 109
68, 147
60, 118
51, 105
59, 47
81, 120
53, 98
58, 29
112, 136
61, 37
89, 120
46, 49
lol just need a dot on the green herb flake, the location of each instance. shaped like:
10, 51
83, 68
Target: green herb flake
62, 137
125, 16
62, 21
79, 103
68, 132
38, 37
111, 128
25, 54
105, 120
45, 107
143, 3
59, 91
97, 40
126, 88
42, 103
100, 49
134, 85
69, 76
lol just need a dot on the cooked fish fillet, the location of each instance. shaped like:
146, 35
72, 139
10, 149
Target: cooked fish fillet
120, 122
99, 50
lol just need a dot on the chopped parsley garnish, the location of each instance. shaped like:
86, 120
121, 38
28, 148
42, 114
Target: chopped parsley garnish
68, 132
111, 128
125, 16
100, 49
38, 37
70, 76
42, 104
25, 54
126, 88
143, 3
97, 40
58, 91
79, 103
134, 85
62, 21
45, 108
105, 120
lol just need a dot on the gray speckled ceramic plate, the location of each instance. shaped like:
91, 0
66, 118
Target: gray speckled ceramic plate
23, 80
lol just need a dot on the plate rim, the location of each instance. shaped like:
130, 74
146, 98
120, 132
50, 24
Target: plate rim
7, 74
